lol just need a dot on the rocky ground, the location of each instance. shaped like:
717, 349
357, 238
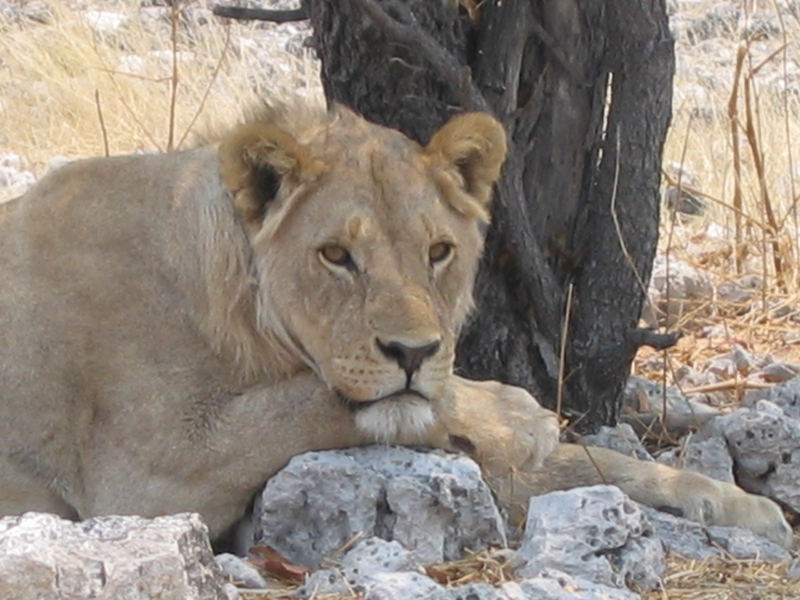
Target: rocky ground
724, 402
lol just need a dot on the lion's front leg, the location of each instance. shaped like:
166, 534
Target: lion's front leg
515, 441
503, 428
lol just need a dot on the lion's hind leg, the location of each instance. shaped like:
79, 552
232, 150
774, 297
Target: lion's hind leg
682, 493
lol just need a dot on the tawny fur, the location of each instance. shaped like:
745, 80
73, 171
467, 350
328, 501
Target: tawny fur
173, 333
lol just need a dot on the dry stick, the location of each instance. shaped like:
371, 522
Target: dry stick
727, 385
563, 351
102, 122
207, 91
785, 97
173, 18
456, 75
758, 162
733, 117
259, 14
594, 464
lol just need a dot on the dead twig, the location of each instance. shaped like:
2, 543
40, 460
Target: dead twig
728, 385
102, 122
562, 354
752, 137
733, 118
259, 14
174, 17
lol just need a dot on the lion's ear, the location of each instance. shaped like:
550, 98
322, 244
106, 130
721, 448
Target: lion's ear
256, 159
474, 144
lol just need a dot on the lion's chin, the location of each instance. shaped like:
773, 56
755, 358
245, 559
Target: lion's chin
395, 420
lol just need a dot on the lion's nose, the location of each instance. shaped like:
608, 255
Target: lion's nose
410, 358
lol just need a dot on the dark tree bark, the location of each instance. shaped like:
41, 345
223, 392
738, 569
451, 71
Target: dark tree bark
583, 88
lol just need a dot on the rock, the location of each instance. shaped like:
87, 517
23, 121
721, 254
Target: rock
358, 568
621, 438
14, 180
231, 592
787, 397
765, 446
680, 536
738, 361
707, 455
472, 591
382, 570
677, 198
683, 202
680, 201
733, 293
780, 372
588, 532
744, 360
403, 586
433, 503
679, 288
104, 21
693, 540
793, 572
643, 403
48, 558
240, 571
556, 585
722, 367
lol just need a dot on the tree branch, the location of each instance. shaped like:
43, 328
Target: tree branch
648, 337
410, 34
259, 14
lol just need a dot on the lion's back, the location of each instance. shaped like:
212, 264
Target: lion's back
89, 289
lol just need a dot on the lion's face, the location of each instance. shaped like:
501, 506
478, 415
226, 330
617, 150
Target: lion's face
366, 254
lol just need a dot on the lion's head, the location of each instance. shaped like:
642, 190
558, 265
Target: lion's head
366, 246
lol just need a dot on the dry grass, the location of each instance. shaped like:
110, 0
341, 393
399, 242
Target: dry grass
725, 579
710, 579
54, 75
67, 90
736, 127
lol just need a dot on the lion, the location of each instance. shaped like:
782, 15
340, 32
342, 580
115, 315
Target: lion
176, 327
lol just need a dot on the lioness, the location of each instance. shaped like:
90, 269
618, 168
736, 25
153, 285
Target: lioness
176, 327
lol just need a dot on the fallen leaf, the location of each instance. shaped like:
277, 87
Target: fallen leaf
272, 563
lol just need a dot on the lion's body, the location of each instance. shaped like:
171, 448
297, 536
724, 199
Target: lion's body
176, 327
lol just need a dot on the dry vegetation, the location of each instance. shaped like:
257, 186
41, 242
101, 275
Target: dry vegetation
67, 89
736, 127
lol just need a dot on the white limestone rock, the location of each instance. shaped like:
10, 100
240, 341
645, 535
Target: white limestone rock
125, 558
433, 503
595, 533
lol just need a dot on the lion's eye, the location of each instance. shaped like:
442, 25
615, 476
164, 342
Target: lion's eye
336, 255
439, 252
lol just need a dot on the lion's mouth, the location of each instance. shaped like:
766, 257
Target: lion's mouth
357, 405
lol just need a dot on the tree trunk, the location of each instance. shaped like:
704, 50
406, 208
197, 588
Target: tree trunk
583, 88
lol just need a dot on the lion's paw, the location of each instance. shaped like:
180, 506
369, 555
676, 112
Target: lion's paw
718, 503
503, 426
